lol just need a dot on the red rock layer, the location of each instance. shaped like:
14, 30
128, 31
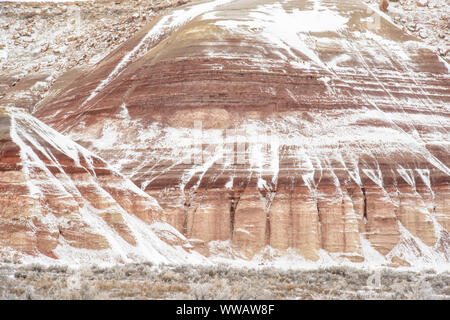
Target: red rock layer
356, 115
56, 197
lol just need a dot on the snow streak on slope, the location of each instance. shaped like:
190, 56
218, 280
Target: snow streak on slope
167, 23
310, 144
310, 117
288, 31
44, 156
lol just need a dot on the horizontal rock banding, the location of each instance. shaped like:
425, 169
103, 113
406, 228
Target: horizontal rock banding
305, 136
58, 200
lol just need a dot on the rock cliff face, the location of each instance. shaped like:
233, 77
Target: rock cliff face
58, 200
312, 126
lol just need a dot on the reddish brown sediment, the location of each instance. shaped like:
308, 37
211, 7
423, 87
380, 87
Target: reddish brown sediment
357, 118
56, 198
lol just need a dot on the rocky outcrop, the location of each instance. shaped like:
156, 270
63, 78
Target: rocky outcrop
58, 200
42, 40
262, 125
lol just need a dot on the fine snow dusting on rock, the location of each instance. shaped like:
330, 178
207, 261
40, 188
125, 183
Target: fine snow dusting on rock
286, 133
74, 207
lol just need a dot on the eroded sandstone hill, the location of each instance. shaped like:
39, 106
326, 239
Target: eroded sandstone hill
58, 200
314, 126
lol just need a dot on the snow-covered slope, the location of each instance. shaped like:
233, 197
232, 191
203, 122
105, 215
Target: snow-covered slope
59, 201
312, 126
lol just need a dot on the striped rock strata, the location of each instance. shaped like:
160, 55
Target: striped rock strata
58, 200
312, 125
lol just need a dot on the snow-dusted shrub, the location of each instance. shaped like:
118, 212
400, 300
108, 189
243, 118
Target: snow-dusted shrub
145, 281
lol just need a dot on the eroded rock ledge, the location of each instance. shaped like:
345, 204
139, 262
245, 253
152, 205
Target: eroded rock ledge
58, 200
357, 121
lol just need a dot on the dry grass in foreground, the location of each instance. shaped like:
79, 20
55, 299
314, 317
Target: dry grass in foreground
147, 281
